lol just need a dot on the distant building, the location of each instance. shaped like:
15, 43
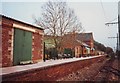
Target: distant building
69, 42
81, 44
82, 49
21, 42
88, 39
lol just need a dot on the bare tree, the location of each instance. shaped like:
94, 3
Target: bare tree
58, 19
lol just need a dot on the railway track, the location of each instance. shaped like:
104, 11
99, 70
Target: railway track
109, 71
85, 74
103, 70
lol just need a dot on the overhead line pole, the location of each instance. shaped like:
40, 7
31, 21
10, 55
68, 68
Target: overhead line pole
118, 35
117, 41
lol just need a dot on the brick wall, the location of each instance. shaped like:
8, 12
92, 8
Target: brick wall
69, 41
37, 46
0, 45
78, 51
7, 32
51, 73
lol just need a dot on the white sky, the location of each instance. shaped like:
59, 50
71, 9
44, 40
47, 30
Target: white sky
90, 12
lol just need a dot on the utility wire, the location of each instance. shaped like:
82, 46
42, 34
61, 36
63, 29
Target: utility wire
113, 20
110, 22
103, 9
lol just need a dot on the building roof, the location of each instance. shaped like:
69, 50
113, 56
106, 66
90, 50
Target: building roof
3, 16
84, 36
70, 39
83, 44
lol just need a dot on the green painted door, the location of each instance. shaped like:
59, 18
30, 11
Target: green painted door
22, 46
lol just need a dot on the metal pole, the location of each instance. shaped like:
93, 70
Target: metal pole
118, 33
44, 53
117, 42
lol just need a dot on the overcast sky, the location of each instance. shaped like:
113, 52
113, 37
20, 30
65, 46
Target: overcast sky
93, 15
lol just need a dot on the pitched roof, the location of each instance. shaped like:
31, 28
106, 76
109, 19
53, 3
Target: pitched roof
82, 43
35, 26
73, 41
84, 36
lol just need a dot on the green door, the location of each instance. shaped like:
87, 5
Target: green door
22, 46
